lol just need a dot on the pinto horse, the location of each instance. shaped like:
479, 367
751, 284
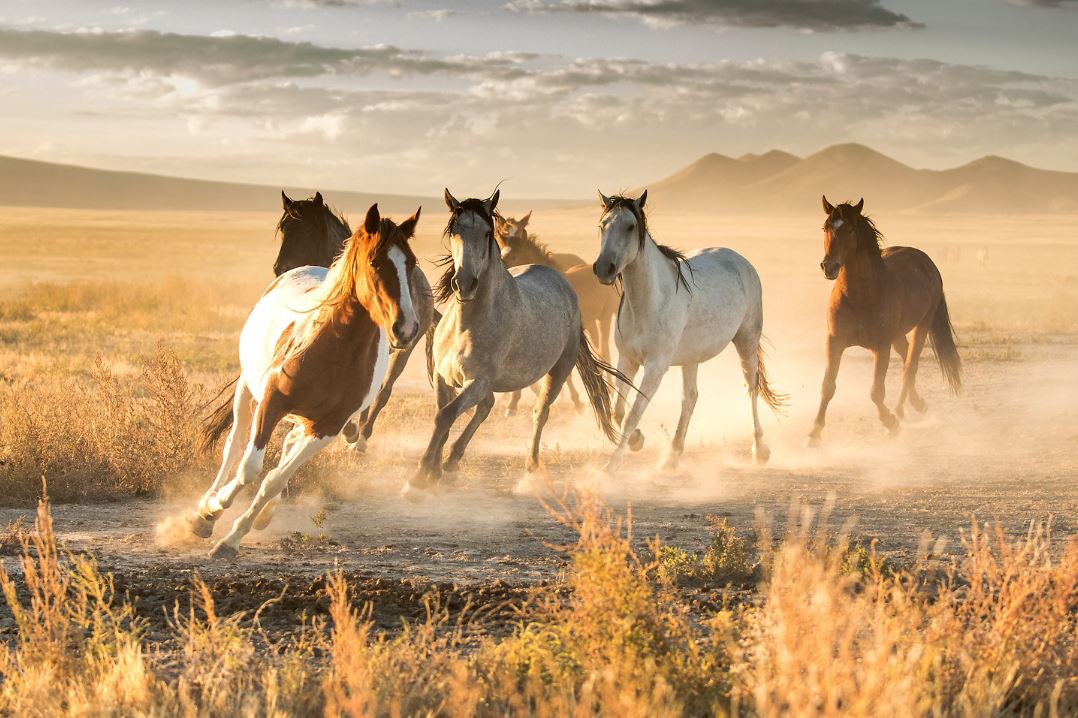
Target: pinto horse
678, 310
881, 295
314, 350
506, 330
312, 235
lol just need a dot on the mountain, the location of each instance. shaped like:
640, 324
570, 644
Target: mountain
31, 183
780, 182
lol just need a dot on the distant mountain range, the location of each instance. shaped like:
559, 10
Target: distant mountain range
775, 182
781, 182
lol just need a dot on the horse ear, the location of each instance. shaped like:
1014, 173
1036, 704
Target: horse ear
317, 199
451, 201
286, 202
828, 208
604, 200
373, 221
492, 201
642, 199
859, 206
524, 220
408, 225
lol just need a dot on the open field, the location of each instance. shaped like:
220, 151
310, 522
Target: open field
116, 327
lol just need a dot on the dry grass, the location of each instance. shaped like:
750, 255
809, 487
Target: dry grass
994, 635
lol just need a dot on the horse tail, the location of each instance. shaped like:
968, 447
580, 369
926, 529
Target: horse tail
594, 374
943, 343
773, 399
429, 348
219, 420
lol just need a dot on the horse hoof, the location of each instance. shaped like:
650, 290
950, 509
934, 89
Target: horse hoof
359, 445
511, 411
265, 515
413, 493
900, 412
223, 552
919, 405
528, 486
579, 407
636, 440
670, 462
761, 454
893, 430
200, 527
813, 442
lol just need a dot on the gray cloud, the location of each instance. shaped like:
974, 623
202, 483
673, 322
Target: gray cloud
1044, 3
822, 15
227, 59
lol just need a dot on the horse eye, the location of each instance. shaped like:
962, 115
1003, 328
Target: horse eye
630, 228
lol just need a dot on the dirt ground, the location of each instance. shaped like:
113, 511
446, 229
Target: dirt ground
1005, 450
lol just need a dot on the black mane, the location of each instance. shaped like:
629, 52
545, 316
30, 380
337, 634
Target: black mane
676, 257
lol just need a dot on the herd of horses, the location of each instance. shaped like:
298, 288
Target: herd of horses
331, 334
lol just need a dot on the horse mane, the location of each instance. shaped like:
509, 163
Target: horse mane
542, 247
676, 257
869, 237
340, 286
332, 215
443, 288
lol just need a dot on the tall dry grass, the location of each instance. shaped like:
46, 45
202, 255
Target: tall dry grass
994, 635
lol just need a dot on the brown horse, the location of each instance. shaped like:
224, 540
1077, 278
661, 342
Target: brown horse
598, 303
880, 296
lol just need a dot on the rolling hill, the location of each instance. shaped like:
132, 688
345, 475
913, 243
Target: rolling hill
779, 182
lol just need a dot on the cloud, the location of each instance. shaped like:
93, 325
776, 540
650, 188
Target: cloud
1045, 3
226, 58
820, 15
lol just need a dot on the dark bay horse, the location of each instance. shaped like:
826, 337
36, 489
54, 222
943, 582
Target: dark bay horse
313, 351
879, 297
506, 330
313, 235
519, 247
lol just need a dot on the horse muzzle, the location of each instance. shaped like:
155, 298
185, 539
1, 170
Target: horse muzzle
605, 271
403, 334
830, 269
465, 288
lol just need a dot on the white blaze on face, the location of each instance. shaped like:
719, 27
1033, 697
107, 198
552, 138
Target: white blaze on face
837, 223
400, 263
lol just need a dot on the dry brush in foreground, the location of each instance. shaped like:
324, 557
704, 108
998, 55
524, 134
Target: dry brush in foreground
824, 635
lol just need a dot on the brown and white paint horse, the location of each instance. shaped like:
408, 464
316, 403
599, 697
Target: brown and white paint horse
314, 350
881, 295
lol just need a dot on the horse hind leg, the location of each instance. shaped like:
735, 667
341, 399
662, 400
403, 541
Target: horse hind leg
291, 440
548, 391
201, 523
514, 400
748, 351
913, 361
689, 394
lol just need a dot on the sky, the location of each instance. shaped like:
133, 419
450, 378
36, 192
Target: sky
555, 97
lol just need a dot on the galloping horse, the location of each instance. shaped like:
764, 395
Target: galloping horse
312, 235
678, 310
598, 303
880, 296
506, 330
314, 350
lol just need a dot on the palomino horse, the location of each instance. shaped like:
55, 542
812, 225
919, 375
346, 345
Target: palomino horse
678, 311
312, 235
314, 350
880, 296
506, 330
598, 303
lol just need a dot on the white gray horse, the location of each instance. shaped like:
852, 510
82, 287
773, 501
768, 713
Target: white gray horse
678, 310
507, 329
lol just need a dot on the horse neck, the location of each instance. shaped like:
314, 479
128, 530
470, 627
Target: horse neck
648, 281
860, 279
538, 256
337, 232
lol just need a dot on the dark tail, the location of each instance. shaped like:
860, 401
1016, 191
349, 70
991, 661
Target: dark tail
429, 348
594, 374
776, 401
943, 343
220, 419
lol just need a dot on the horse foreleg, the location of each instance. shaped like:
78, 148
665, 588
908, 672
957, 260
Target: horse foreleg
430, 466
305, 447
242, 411
827, 389
631, 437
456, 452
881, 357
397, 361
628, 369
689, 395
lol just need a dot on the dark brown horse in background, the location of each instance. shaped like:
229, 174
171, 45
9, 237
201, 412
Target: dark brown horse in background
312, 235
880, 296
598, 303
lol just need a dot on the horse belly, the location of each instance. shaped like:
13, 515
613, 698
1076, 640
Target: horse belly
720, 303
